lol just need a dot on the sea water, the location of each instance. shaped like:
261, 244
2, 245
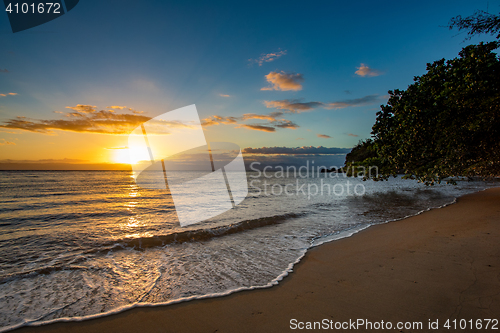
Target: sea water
81, 244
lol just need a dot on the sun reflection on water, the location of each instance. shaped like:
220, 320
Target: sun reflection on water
132, 226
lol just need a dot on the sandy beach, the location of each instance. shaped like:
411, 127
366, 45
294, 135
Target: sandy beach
442, 264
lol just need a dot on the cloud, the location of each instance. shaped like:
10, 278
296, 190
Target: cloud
8, 94
364, 71
273, 121
294, 105
271, 117
135, 111
300, 139
268, 57
324, 136
297, 150
3, 70
4, 142
262, 128
216, 120
85, 119
354, 135
65, 164
286, 124
63, 160
82, 108
115, 107
284, 81
353, 102
224, 95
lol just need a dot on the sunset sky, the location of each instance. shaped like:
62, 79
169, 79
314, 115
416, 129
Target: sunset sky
280, 74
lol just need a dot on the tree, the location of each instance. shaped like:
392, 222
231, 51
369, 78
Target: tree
362, 151
478, 23
447, 123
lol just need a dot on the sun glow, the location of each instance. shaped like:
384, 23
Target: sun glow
121, 156
130, 155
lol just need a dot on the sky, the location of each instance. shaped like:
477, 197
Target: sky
307, 76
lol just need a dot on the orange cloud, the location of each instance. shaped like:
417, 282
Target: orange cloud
224, 95
44, 161
284, 81
271, 117
268, 57
115, 107
135, 111
216, 120
86, 119
82, 108
259, 128
324, 136
8, 94
4, 142
354, 135
364, 71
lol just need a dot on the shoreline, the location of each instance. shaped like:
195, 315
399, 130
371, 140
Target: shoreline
161, 318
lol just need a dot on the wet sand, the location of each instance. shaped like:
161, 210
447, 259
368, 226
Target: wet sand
442, 264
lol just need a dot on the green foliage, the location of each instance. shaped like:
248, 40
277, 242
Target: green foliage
363, 160
446, 124
363, 150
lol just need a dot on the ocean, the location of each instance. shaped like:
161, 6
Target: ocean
81, 244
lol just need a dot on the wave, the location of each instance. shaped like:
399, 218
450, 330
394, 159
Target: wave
206, 234
143, 243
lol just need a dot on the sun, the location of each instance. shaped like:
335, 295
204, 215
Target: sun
121, 156
130, 155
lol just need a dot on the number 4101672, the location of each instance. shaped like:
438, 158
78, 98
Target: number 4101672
471, 324
40, 8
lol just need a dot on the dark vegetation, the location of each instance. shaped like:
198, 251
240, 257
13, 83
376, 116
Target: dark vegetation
447, 123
